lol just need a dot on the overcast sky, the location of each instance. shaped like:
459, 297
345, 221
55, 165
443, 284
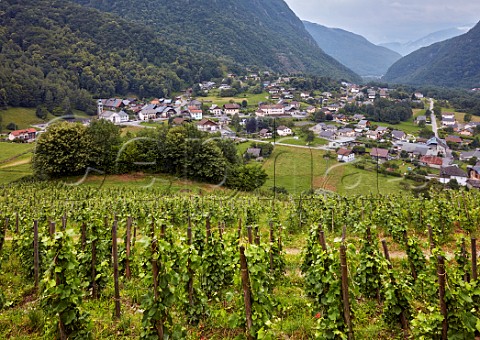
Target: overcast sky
389, 20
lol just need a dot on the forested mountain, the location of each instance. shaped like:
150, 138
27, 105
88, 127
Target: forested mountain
432, 38
256, 33
59, 53
451, 63
353, 50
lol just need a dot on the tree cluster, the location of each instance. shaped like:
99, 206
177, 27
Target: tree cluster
67, 149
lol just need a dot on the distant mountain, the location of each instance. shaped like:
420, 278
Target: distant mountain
253, 33
428, 40
452, 63
353, 50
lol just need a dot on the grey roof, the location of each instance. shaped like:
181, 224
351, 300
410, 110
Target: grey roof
327, 134
436, 141
254, 151
470, 154
450, 171
421, 118
420, 149
398, 134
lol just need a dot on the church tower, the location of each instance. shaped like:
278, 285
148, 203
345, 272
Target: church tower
99, 107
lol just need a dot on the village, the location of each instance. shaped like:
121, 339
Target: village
286, 115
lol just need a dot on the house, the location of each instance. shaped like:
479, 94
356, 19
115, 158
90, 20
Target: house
26, 135
379, 154
372, 135
420, 119
448, 121
437, 145
231, 109
328, 134
215, 110
431, 161
448, 115
272, 110
414, 149
195, 113
284, 131
265, 133
358, 117
346, 132
465, 156
381, 130
345, 155
399, 135
453, 172
363, 124
180, 121
318, 128
115, 117
147, 114
112, 103
196, 103
311, 109
454, 139
208, 125
254, 152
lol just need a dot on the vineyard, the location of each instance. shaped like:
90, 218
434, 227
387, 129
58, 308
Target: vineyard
83, 263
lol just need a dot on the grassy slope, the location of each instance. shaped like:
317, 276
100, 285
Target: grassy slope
14, 161
293, 172
25, 117
252, 99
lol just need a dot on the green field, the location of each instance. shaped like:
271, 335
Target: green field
293, 172
25, 117
252, 99
12, 150
15, 161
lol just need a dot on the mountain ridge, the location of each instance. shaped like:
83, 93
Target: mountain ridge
353, 50
253, 33
450, 63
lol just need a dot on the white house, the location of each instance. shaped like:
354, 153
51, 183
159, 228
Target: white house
115, 117
27, 135
284, 131
216, 110
270, 110
231, 109
195, 113
208, 125
453, 172
345, 155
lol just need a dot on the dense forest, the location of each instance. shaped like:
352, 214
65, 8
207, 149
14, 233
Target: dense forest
60, 54
451, 63
258, 34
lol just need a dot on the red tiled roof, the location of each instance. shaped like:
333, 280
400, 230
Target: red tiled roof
22, 132
432, 160
377, 152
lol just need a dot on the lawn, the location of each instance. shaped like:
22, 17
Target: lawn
25, 117
14, 172
293, 172
13, 150
252, 99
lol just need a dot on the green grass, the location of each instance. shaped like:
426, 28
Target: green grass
25, 117
293, 172
252, 99
11, 150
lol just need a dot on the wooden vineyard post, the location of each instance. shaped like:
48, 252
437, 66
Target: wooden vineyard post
16, 223
249, 234
155, 271
403, 319
189, 267
466, 276
239, 229
221, 227
474, 259
3, 233
412, 266
208, 228
321, 239
247, 294
36, 255
345, 298
52, 228
272, 239
257, 236
94, 269
127, 248
84, 236
115, 269
443, 305
64, 221
280, 247
430, 238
